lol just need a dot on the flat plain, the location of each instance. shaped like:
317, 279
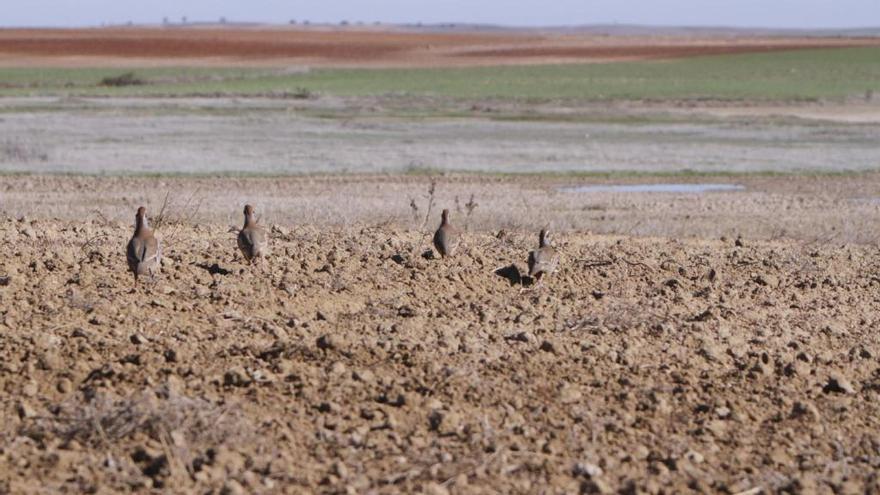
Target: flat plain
723, 341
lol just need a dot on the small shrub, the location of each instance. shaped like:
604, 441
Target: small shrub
302, 94
127, 79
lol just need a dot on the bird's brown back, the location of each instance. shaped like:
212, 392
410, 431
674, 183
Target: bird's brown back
446, 240
543, 260
143, 251
252, 237
446, 237
252, 241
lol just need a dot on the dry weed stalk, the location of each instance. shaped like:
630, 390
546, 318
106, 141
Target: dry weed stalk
159, 219
471, 205
85, 247
101, 217
190, 209
414, 207
432, 187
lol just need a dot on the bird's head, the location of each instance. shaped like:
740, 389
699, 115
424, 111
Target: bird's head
140, 219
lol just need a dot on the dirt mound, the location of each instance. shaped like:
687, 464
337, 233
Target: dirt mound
352, 361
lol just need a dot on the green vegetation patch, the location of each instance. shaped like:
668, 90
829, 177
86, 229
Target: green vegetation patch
793, 75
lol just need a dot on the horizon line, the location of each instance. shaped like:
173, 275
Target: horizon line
345, 24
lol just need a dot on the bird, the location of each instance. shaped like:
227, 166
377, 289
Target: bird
252, 237
543, 260
446, 237
143, 252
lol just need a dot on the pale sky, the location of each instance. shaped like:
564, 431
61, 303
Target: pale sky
739, 13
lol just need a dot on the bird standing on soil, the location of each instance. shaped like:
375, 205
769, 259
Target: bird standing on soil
143, 251
446, 237
252, 237
543, 260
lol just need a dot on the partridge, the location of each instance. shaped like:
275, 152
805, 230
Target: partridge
543, 260
252, 237
446, 237
144, 253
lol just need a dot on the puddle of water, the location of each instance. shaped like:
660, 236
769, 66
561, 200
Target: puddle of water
870, 201
654, 188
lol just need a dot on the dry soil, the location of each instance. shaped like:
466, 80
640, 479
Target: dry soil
352, 361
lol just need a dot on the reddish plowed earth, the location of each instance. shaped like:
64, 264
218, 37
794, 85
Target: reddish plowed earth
278, 46
235, 45
221, 43
642, 51
173, 48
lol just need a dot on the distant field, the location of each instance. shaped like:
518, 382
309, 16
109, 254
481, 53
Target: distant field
793, 75
379, 46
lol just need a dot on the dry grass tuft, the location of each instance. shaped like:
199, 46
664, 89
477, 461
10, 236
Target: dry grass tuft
173, 433
109, 420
